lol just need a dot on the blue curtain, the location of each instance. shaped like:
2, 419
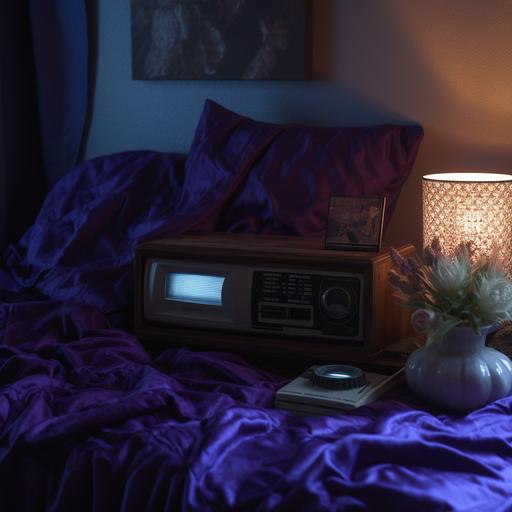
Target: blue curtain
43, 103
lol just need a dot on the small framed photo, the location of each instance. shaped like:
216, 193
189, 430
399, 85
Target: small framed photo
355, 223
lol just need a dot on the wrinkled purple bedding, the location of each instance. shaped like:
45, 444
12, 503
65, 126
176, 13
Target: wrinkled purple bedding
88, 421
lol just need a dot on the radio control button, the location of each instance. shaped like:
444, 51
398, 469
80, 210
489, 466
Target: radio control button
336, 303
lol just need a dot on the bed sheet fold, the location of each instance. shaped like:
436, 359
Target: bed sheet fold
89, 421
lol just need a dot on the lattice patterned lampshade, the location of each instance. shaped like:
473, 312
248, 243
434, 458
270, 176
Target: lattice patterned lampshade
476, 207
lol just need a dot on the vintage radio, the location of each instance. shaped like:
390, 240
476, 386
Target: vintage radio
274, 295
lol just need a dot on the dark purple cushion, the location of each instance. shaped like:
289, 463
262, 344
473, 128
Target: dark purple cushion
285, 174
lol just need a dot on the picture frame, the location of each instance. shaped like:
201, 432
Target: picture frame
355, 223
221, 40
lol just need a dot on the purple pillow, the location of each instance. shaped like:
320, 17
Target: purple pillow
282, 176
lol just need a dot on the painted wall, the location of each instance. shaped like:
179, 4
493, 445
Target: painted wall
445, 65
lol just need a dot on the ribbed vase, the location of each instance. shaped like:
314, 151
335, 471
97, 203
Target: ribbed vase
460, 372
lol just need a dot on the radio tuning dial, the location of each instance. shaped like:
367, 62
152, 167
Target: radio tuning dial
336, 303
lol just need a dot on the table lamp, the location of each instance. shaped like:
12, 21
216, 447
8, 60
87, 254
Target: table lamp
469, 207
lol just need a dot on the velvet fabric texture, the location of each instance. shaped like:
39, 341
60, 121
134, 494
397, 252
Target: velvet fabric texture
240, 175
82, 243
285, 174
88, 422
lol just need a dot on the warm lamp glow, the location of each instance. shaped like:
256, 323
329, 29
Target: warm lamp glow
469, 207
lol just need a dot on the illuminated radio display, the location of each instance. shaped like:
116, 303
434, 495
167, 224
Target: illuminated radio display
255, 299
194, 288
268, 294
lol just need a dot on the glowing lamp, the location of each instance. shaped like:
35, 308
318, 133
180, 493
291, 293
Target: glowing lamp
469, 207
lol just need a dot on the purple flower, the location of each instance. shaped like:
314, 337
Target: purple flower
402, 285
424, 320
396, 258
432, 252
405, 278
405, 266
429, 257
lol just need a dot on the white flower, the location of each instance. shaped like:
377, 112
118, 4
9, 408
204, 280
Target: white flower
493, 293
451, 275
450, 290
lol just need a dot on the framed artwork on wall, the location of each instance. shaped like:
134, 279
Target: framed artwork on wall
220, 39
355, 223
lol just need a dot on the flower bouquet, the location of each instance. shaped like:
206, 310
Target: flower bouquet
450, 290
457, 299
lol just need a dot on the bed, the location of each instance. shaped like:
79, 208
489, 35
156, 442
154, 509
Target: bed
91, 421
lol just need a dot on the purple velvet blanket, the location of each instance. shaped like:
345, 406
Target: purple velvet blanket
89, 421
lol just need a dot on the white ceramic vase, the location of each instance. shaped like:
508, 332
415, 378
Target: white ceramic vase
460, 372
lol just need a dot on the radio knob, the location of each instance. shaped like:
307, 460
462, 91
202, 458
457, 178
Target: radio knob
336, 303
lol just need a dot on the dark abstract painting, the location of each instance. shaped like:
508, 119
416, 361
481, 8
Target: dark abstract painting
219, 39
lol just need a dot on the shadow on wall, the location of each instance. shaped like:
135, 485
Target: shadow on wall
333, 100
438, 64
446, 65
